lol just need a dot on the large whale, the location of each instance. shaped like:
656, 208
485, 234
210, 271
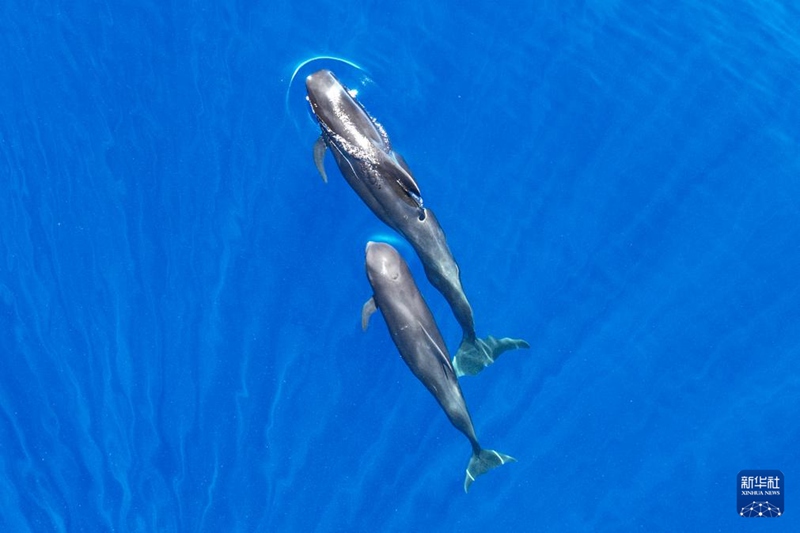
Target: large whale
421, 346
384, 182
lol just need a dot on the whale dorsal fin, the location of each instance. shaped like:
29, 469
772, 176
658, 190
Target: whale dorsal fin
319, 157
366, 312
397, 175
402, 161
406, 179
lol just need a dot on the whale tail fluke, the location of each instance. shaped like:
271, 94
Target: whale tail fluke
482, 462
475, 355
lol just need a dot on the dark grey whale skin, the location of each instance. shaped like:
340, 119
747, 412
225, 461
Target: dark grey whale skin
417, 337
384, 182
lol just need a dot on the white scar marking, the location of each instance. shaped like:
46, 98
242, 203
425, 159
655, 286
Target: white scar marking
431, 339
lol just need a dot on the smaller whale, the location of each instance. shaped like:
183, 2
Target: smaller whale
381, 177
417, 337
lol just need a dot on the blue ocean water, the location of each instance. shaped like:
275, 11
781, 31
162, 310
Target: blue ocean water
180, 293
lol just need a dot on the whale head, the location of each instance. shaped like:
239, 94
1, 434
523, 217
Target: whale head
384, 265
341, 117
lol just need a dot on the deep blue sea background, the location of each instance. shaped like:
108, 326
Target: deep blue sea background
180, 293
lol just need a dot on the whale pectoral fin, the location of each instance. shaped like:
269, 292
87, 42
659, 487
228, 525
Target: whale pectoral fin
472, 357
366, 312
319, 157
